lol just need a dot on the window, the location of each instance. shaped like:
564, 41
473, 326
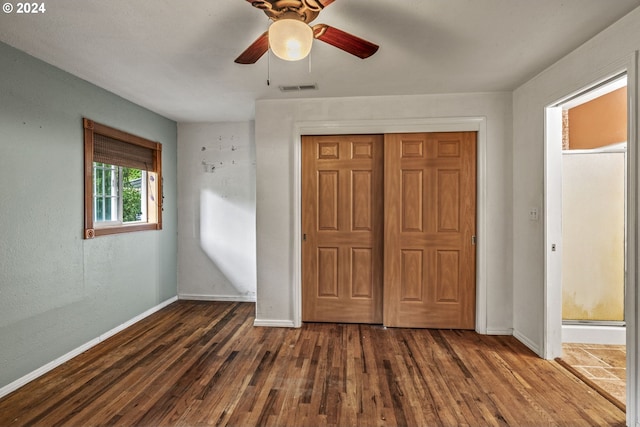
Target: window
122, 182
118, 195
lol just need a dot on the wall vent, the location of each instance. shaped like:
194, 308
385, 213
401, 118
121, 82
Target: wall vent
298, 88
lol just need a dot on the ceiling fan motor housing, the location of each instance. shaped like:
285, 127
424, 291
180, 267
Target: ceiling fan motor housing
305, 10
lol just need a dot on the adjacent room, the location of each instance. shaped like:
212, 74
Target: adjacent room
594, 197
319, 212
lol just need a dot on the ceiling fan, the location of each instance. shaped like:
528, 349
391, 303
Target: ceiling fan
290, 36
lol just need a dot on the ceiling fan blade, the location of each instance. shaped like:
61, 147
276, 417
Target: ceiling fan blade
255, 51
345, 41
325, 3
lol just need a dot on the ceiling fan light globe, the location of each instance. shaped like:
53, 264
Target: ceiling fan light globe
290, 39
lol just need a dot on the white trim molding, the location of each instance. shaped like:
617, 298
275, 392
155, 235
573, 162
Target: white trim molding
508, 331
230, 298
526, 341
11, 387
274, 323
592, 334
442, 124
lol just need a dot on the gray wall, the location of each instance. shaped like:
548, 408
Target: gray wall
58, 291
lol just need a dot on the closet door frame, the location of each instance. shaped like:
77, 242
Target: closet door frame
451, 124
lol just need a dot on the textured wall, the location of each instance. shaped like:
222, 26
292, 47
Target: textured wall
58, 291
217, 231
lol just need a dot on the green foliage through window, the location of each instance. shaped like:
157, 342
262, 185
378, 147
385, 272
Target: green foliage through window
108, 188
131, 194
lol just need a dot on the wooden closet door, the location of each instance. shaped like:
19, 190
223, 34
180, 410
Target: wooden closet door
430, 221
342, 225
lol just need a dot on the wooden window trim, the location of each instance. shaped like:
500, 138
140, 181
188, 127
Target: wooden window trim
155, 223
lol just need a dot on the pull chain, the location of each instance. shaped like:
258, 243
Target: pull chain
269, 67
268, 58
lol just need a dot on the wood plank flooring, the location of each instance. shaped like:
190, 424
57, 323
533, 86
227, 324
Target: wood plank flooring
205, 364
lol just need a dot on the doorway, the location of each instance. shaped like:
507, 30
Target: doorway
586, 231
429, 213
594, 158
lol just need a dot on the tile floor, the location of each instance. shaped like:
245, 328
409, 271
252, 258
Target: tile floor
605, 365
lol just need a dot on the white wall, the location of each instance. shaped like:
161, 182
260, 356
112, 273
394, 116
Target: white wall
613, 48
577, 70
276, 124
593, 185
216, 233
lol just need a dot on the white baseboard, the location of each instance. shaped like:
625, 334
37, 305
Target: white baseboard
234, 298
587, 334
508, 331
11, 387
274, 323
526, 341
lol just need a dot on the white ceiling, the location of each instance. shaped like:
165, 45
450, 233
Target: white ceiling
176, 57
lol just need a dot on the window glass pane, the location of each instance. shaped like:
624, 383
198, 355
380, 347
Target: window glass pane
97, 176
99, 209
107, 184
132, 195
107, 208
105, 196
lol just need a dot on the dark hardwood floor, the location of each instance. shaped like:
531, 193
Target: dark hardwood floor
197, 364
